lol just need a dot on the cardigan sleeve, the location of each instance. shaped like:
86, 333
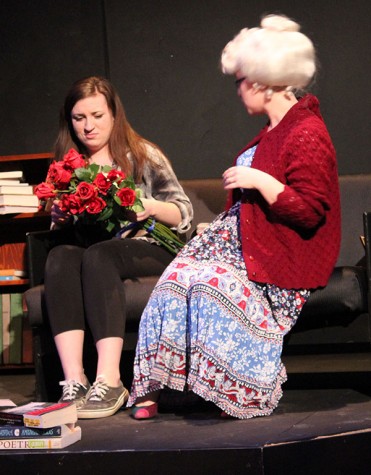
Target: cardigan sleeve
310, 163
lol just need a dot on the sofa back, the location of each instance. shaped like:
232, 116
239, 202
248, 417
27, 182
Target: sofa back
355, 196
208, 198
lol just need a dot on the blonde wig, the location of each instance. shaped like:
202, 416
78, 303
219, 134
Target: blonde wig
275, 54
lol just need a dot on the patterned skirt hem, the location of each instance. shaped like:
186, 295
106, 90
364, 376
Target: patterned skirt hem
247, 411
160, 379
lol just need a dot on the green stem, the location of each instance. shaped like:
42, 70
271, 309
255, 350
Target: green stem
163, 235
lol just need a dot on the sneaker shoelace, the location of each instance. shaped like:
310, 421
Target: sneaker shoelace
98, 391
70, 388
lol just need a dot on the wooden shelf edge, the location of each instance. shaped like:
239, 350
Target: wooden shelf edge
37, 214
26, 367
27, 156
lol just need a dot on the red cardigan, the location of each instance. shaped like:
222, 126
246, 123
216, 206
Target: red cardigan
295, 242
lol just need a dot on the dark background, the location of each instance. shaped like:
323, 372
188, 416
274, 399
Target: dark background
163, 57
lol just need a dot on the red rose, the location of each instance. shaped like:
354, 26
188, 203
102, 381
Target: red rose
86, 191
44, 191
102, 183
116, 175
95, 205
70, 203
73, 159
127, 196
58, 175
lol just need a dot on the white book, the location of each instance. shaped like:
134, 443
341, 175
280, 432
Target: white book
19, 200
41, 415
18, 209
16, 189
12, 182
11, 174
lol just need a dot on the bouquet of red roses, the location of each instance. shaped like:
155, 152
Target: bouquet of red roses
101, 195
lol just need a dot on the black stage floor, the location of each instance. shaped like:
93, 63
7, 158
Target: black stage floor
314, 430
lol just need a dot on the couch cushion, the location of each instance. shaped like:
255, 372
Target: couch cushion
137, 293
344, 296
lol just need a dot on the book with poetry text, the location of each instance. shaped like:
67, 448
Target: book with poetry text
69, 435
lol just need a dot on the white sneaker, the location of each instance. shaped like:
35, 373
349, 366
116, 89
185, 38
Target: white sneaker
103, 400
74, 392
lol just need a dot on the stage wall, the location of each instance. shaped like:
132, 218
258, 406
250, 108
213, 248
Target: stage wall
163, 56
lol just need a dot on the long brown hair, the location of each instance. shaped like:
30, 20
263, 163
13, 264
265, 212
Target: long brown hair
123, 137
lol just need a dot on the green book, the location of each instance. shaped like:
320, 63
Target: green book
16, 319
5, 312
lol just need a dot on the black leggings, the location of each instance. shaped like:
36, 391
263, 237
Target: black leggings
86, 284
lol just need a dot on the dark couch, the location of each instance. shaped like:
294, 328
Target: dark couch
336, 315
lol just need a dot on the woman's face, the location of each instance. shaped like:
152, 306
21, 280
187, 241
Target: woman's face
252, 98
92, 121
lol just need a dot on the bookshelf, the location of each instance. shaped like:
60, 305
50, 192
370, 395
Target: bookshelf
15, 335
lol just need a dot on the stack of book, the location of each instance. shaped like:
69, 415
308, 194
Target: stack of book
16, 196
38, 425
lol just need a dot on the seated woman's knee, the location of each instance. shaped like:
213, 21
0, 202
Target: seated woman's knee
63, 257
99, 254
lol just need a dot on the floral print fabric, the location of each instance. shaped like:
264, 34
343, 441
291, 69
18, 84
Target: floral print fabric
207, 328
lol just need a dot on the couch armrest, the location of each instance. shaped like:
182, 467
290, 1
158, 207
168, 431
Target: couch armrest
38, 245
36, 254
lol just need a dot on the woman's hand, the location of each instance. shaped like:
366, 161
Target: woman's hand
251, 178
241, 177
149, 209
59, 217
166, 213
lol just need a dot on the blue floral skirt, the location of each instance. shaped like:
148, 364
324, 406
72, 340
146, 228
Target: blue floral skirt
208, 329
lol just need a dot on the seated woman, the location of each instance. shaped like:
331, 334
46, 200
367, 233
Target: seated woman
83, 282
216, 320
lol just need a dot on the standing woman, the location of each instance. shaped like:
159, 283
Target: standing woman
216, 320
83, 284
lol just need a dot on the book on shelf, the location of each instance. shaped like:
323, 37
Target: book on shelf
15, 328
11, 328
21, 274
14, 174
19, 189
12, 182
19, 200
18, 209
12, 278
41, 415
69, 435
5, 328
